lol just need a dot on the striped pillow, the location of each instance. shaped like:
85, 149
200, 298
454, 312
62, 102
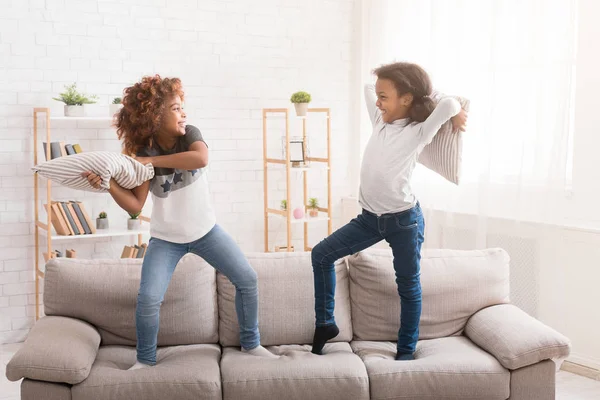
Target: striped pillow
67, 170
444, 154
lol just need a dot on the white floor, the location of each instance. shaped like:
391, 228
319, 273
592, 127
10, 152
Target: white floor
568, 386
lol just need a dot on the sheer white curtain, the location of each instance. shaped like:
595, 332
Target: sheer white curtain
515, 61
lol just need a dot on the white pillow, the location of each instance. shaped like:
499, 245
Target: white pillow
67, 170
444, 154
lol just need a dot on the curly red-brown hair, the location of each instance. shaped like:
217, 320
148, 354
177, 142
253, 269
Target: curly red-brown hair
143, 106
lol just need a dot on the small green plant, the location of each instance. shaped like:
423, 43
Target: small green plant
117, 100
300, 97
102, 215
313, 202
284, 204
72, 97
135, 215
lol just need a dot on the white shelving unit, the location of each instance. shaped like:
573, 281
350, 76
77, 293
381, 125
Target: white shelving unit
316, 163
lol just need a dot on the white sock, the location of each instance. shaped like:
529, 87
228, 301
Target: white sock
139, 365
260, 352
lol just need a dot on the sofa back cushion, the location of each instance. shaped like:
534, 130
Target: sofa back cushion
285, 301
455, 284
104, 293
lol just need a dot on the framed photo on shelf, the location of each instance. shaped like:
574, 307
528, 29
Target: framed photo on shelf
297, 154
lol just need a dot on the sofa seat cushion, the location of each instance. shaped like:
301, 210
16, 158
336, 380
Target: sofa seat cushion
182, 372
446, 368
298, 374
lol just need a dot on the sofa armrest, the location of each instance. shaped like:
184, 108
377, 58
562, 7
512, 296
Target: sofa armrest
57, 349
514, 337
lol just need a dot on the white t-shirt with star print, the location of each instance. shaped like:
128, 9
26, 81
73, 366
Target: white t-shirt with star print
182, 211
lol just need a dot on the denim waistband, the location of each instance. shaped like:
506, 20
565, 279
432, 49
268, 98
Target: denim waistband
416, 206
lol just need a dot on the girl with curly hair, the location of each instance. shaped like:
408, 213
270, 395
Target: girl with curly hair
152, 125
404, 120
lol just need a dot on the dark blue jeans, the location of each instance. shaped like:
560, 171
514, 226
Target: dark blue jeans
404, 231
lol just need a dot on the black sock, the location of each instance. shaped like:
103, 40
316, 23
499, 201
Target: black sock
404, 357
322, 335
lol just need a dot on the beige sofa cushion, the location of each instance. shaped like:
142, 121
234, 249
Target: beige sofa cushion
515, 338
286, 301
104, 293
57, 349
455, 284
298, 374
447, 368
182, 372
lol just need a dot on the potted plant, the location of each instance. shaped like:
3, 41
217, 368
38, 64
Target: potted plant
134, 223
102, 221
283, 205
313, 206
74, 101
115, 106
301, 100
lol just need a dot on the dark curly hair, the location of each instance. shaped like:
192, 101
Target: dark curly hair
410, 78
143, 106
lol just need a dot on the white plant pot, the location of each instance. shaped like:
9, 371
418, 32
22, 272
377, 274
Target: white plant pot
101, 223
301, 109
134, 224
74, 111
114, 108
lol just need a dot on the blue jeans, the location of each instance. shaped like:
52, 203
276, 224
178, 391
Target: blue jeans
404, 232
219, 250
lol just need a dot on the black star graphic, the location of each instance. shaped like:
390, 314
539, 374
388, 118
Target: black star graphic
178, 177
166, 186
193, 171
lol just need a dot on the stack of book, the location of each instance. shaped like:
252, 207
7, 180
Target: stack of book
57, 253
134, 251
59, 149
70, 218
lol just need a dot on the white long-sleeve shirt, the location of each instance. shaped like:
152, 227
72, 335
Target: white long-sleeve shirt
392, 153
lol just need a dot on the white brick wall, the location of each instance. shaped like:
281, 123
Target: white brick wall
234, 57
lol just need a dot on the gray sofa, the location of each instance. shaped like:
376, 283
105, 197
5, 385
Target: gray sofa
473, 343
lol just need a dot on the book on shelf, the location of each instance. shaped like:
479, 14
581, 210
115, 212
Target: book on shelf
57, 220
84, 218
49, 256
75, 218
61, 149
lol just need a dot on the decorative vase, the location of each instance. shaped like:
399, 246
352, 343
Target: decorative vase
301, 109
134, 224
74, 111
101, 223
313, 213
